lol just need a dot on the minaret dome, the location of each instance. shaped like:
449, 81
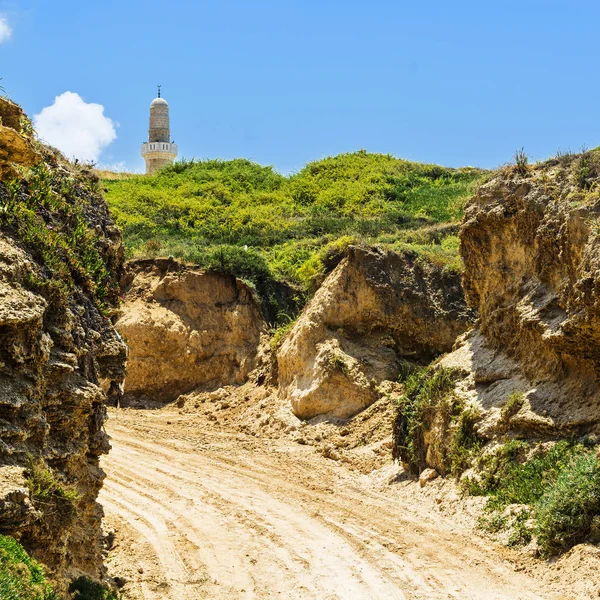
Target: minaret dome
159, 151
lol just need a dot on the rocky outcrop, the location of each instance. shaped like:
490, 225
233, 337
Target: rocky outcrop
531, 248
59, 253
15, 148
186, 328
376, 311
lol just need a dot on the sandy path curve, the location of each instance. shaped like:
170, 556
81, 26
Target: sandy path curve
201, 514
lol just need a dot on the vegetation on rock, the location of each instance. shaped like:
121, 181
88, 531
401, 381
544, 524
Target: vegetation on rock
555, 485
21, 577
48, 209
263, 226
429, 402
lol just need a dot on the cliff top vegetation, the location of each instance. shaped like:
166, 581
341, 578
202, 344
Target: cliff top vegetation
263, 226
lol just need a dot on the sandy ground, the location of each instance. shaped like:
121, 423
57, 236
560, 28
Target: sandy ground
199, 512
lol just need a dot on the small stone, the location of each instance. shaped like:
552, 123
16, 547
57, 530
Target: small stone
426, 476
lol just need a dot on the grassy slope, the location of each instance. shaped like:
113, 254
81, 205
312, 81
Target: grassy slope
207, 212
21, 577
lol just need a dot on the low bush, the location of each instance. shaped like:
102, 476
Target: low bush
84, 588
299, 225
560, 485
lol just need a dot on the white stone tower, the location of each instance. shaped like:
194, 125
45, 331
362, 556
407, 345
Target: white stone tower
159, 151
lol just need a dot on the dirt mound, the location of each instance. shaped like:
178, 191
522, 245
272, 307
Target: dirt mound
186, 328
375, 311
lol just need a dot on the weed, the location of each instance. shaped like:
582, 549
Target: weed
521, 162
428, 395
278, 334
49, 493
512, 406
585, 170
465, 441
336, 362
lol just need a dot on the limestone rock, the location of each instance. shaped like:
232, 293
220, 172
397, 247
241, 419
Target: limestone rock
14, 147
186, 328
55, 347
531, 249
427, 476
376, 310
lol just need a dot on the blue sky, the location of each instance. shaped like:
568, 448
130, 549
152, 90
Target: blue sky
287, 82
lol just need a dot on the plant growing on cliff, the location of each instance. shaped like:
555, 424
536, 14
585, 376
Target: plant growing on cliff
21, 577
521, 162
83, 588
51, 495
560, 486
46, 210
512, 407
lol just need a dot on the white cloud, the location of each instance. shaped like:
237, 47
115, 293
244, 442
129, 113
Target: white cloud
77, 128
5, 30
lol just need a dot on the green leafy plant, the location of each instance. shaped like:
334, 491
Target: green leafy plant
512, 406
53, 496
560, 486
297, 226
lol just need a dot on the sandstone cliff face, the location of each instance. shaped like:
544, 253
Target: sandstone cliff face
58, 247
531, 249
186, 328
375, 311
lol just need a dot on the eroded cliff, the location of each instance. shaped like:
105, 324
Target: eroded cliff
60, 257
186, 328
377, 311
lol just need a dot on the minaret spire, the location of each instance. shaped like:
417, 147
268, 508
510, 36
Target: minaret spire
159, 151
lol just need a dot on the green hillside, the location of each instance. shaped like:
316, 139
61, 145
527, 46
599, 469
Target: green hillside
268, 228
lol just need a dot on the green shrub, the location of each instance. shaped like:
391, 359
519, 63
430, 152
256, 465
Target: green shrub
569, 510
51, 495
512, 406
561, 487
21, 577
84, 588
521, 162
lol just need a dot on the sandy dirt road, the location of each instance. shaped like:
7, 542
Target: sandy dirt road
207, 514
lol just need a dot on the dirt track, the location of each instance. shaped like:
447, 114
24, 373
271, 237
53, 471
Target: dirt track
208, 514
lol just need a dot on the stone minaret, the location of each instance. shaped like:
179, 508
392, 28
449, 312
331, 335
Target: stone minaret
159, 151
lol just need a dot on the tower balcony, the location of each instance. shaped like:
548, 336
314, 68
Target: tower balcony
159, 148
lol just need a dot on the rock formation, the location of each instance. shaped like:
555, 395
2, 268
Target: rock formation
531, 248
59, 254
186, 328
374, 312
